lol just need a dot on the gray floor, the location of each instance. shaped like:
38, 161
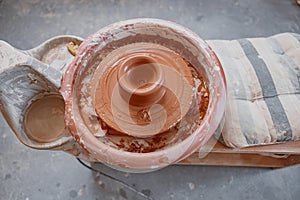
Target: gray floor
30, 174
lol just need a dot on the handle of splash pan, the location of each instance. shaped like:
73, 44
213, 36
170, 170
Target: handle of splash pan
11, 57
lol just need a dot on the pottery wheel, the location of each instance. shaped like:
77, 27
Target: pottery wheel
142, 89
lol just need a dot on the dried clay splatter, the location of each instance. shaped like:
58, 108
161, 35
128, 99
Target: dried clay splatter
73, 48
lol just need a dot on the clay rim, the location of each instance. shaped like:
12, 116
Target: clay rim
189, 145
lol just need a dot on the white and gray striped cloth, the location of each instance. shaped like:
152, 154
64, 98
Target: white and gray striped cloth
263, 79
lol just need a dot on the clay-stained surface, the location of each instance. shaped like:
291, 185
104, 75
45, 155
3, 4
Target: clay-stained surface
30, 174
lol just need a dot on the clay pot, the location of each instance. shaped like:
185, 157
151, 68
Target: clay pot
95, 127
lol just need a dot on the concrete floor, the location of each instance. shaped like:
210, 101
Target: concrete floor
30, 174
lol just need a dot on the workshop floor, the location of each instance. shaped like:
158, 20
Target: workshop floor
28, 174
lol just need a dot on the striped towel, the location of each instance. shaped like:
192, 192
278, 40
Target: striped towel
263, 78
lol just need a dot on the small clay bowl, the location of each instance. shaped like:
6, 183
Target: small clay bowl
78, 91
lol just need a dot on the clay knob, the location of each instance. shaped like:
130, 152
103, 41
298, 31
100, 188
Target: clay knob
141, 80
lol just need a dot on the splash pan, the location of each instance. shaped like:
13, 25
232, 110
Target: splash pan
143, 94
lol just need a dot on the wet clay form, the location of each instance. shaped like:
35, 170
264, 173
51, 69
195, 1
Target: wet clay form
142, 89
139, 95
